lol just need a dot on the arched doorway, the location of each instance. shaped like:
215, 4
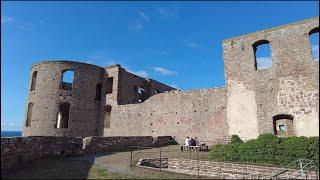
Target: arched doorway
283, 125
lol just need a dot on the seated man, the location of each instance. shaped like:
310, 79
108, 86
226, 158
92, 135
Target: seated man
203, 147
192, 143
197, 141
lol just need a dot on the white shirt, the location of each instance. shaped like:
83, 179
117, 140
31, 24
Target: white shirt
186, 142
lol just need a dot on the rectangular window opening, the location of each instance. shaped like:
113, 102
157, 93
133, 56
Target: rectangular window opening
109, 85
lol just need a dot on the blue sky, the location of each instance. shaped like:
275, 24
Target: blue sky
178, 43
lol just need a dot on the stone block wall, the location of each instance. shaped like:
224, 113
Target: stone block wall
226, 170
129, 83
107, 144
47, 96
290, 86
19, 150
16, 151
195, 113
246, 106
163, 141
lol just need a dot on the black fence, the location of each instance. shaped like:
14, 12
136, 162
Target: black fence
161, 155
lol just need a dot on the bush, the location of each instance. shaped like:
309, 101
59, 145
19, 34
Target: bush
235, 139
268, 149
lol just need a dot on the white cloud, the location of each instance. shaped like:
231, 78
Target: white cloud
6, 125
6, 19
316, 59
174, 85
140, 21
3, 125
168, 12
264, 62
26, 26
21, 25
144, 16
193, 45
164, 71
141, 73
137, 26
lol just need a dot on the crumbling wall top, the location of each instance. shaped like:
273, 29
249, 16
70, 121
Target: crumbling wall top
314, 20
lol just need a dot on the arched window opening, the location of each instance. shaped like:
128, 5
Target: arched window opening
34, 80
107, 116
283, 125
98, 91
314, 42
29, 114
67, 80
109, 85
262, 54
157, 91
63, 116
141, 94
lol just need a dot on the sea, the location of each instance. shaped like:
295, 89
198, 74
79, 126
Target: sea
10, 133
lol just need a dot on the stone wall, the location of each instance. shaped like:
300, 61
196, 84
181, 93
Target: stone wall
107, 144
128, 86
47, 96
19, 150
290, 86
163, 141
16, 151
225, 170
246, 106
197, 113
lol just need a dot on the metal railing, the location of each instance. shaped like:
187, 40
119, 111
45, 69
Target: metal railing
304, 166
166, 153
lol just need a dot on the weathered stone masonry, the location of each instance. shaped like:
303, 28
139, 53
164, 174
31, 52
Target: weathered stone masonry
222, 170
251, 103
17, 151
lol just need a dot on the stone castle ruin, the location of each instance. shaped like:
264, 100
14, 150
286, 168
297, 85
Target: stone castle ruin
282, 99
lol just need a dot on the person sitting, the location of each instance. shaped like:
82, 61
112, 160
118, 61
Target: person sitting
186, 143
192, 143
197, 141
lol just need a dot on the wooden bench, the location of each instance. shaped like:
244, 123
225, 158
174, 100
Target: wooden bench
194, 148
189, 148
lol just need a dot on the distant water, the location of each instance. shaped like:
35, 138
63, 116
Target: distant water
10, 133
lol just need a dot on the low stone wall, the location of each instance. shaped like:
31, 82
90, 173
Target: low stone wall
16, 151
227, 170
164, 141
117, 143
19, 150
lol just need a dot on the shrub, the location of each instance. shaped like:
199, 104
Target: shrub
235, 139
268, 149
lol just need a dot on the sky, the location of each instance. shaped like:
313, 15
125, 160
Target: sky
177, 43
